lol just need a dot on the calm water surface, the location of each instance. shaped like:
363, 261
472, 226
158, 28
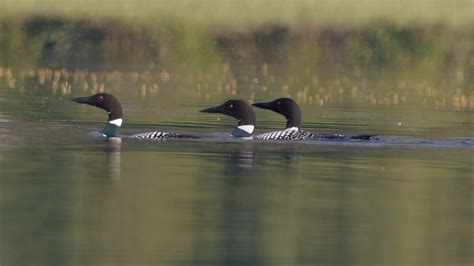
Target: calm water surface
69, 199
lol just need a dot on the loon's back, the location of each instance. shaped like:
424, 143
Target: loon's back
158, 135
287, 134
297, 134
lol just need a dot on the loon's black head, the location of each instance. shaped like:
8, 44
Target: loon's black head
110, 104
287, 107
105, 101
240, 110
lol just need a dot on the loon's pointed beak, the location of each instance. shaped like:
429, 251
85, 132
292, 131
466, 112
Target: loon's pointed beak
216, 109
263, 105
85, 100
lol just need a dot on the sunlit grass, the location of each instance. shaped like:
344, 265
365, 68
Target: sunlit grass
305, 88
249, 13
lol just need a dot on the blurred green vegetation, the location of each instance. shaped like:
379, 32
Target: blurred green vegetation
247, 14
112, 43
131, 33
310, 51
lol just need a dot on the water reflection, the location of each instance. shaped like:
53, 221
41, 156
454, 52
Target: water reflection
242, 156
236, 223
34, 195
192, 203
230, 225
113, 149
239, 222
118, 202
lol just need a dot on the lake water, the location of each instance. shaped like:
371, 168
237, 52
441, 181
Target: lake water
69, 199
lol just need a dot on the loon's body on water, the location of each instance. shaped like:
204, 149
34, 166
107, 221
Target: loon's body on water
290, 109
242, 111
109, 103
246, 125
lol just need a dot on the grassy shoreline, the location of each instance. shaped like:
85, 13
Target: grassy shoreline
105, 43
179, 39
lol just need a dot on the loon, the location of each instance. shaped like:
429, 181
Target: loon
246, 125
109, 103
290, 109
240, 110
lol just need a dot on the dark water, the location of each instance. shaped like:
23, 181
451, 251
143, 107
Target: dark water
69, 199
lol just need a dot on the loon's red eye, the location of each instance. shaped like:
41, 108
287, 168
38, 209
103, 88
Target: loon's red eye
100, 98
230, 106
278, 103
